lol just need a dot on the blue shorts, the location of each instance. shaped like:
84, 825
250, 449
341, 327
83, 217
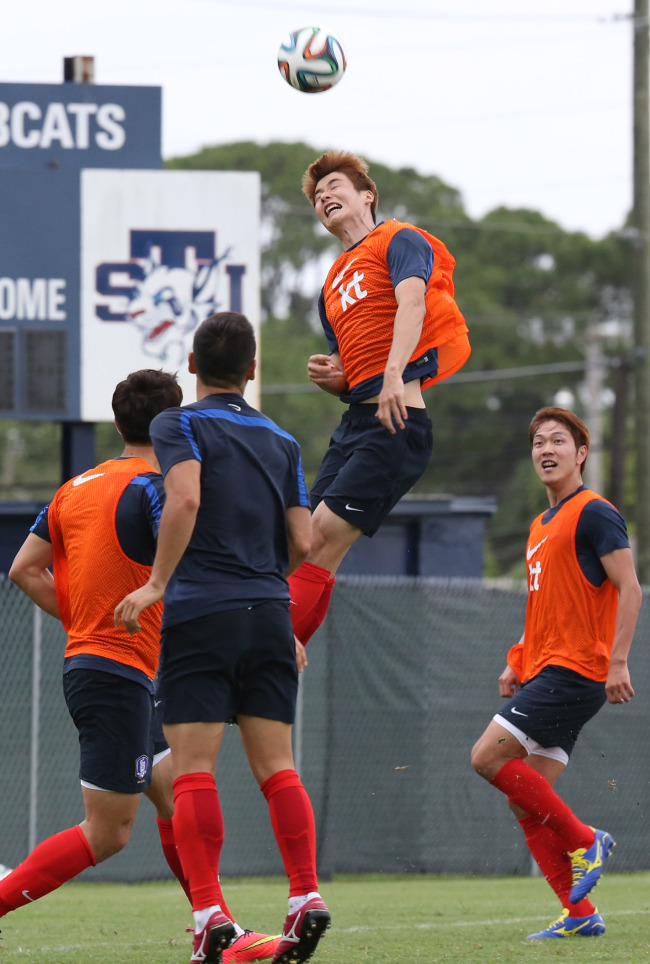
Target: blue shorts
553, 707
240, 661
115, 720
366, 470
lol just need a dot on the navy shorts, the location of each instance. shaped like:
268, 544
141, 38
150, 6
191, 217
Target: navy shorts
114, 718
240, 661
366, 470
553, 707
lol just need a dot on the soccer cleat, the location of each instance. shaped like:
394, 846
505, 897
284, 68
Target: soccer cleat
217, 934
250, 946
302, 931
587, 865
565, 926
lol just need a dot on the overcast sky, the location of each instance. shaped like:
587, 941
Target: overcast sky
512, 103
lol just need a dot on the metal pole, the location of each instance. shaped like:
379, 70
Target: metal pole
641, 218
37, 623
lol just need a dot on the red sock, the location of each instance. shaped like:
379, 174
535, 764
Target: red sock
532, 792
292, 818
551, 858
313, 620
198, 831
168, 843
55, 860
306, 586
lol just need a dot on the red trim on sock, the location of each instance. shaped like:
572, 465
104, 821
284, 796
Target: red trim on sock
532, 792
50, 864
306, 586
292, 819
198, 831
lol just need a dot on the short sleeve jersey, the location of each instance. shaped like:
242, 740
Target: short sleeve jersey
571, 609
251, 473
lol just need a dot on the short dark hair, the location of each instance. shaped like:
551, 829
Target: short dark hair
355, 168
224, 348
572, 422
139, 398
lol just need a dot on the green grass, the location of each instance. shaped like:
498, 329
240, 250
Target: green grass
378, 919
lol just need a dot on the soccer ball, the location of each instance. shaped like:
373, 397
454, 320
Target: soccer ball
311, 60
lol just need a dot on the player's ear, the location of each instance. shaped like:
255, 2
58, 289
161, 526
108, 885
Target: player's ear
117, 426
191, 367
250, 374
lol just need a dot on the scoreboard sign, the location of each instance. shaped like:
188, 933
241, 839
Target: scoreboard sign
79, 125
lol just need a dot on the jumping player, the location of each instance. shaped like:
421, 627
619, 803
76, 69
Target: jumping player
235, 522
583, 602
99, 534
393, 329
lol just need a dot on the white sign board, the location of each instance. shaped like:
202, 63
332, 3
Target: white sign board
161, 251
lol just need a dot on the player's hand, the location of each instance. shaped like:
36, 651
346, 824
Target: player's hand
509, 683
128, 611
301, 655
324, 373
391, 409
618, 686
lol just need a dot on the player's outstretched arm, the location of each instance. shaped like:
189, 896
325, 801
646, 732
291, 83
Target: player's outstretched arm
30, 572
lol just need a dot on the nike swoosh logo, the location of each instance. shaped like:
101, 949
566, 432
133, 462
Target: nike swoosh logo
86, 478
339, 277
27, 897
531, 552
351, 508
518, 712
157, 702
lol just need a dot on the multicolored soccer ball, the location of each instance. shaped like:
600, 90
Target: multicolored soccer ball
311, 60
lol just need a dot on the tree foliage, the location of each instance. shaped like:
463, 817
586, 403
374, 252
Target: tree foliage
535, 297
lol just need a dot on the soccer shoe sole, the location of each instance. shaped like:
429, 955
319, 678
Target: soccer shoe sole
219, 939
314, 925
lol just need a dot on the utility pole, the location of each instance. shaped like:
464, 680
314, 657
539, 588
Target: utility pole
641, 220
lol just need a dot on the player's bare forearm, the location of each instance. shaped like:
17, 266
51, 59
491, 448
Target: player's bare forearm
407, 329
30, 572
619, 567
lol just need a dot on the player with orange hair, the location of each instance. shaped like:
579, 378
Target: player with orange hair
393, 328
583, 602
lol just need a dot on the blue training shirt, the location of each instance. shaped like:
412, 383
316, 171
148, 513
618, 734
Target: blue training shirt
251, 473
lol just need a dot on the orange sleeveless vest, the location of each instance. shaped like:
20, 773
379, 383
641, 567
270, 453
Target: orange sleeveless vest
360, 305
569, 621
92, 573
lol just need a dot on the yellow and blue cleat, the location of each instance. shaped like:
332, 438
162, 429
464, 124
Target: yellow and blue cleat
565, 926
588, 864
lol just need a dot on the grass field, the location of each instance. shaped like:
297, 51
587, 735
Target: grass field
376, 920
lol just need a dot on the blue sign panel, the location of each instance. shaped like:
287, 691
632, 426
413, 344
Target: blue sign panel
79, 125
39, 294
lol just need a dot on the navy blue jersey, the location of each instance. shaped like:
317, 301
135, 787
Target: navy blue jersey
136, 521
601, 529
251, 473
409, 256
